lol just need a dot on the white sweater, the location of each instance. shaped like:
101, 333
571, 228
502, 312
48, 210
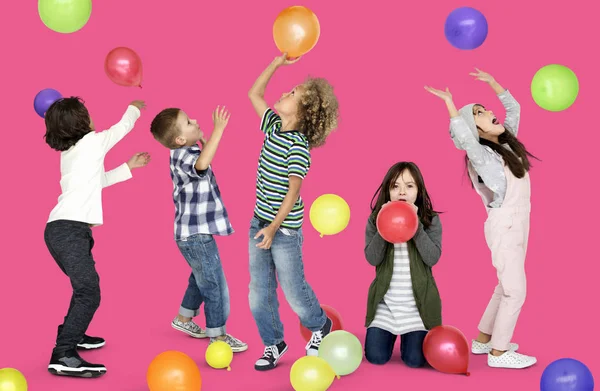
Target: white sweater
83, 176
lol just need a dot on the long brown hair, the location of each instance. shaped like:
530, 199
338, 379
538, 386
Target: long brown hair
423, 202
517, 158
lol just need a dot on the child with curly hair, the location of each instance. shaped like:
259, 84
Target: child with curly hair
305, 116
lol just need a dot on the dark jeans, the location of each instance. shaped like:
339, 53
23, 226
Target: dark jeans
70, 243
379, 346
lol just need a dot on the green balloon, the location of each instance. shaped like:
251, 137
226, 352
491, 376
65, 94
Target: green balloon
554, 87
342, 351
65, 16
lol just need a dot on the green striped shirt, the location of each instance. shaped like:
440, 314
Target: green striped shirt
283, 154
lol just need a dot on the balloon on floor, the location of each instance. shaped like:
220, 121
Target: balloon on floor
296, 31
397, 222
447, 350
65, 16
567, 374
342, 351
123, 66
329, 214
219, 355
12, 380
554, 87
44, 99
332, 314
311, 374
466, 28
173, 370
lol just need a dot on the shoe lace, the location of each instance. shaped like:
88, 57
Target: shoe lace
270, 352
315, 340
232, 340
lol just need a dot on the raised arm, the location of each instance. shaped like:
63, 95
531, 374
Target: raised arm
110, 137
429, 242
257, 92
220, 119
511, 106
375, 245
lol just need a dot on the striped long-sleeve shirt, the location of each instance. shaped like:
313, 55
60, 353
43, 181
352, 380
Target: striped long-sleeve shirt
397, 312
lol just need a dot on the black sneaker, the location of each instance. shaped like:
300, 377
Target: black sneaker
271, 357
70, 364
88, 342
312, 348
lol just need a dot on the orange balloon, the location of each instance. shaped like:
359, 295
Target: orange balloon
296, 31
173, 370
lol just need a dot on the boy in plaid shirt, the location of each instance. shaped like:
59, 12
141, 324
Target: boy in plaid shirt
199, 214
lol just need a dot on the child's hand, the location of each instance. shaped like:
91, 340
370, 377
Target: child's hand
481, 75
220, 118
446, 96
140, 104
267, 233
139, 160
284, 60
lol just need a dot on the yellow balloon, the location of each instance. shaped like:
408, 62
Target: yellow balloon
311, 373
12, 380
219, 355
329, 214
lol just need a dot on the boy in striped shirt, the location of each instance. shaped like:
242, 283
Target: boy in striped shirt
305, 117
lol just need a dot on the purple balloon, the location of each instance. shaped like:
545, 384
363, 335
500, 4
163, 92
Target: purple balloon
44, 99
466, 28
567, 374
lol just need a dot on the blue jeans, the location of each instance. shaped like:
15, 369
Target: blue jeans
283, 262
206, 284
379, 346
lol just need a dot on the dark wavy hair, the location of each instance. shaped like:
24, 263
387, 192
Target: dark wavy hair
517, 158
423, 202
67, 121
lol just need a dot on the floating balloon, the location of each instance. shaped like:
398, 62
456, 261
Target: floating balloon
12, 380
466, 28
173, 370
219, 355
311, 374
332, 314
44, 99
296, 31
329, 214
554, 87
123, 66
397, 222
65, 16
342, 351
567, 374
446, 349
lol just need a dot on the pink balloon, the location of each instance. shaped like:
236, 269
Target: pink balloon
124, 67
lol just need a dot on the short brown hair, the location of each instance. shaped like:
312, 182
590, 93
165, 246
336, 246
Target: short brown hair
164, 127
318, 112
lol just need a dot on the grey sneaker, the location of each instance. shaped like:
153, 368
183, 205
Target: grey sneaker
236, 345
190, 328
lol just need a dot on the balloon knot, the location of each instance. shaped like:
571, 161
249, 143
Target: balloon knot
338, 376
140, 86
321, 235
229, 368
468, 374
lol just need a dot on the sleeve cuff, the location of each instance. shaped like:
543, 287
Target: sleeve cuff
123, 173
134, 111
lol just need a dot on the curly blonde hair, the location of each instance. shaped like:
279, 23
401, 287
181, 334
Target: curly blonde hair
318, 112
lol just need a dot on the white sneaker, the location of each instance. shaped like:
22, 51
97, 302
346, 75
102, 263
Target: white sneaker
485, 348
511, 360
190, 328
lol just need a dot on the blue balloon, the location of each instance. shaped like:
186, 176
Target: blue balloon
44, 99
466, 28
567, 374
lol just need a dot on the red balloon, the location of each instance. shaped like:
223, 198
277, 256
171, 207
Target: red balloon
332, 314
397, 222
447, 350
124, 67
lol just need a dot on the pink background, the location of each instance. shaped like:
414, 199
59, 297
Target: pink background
379, 55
